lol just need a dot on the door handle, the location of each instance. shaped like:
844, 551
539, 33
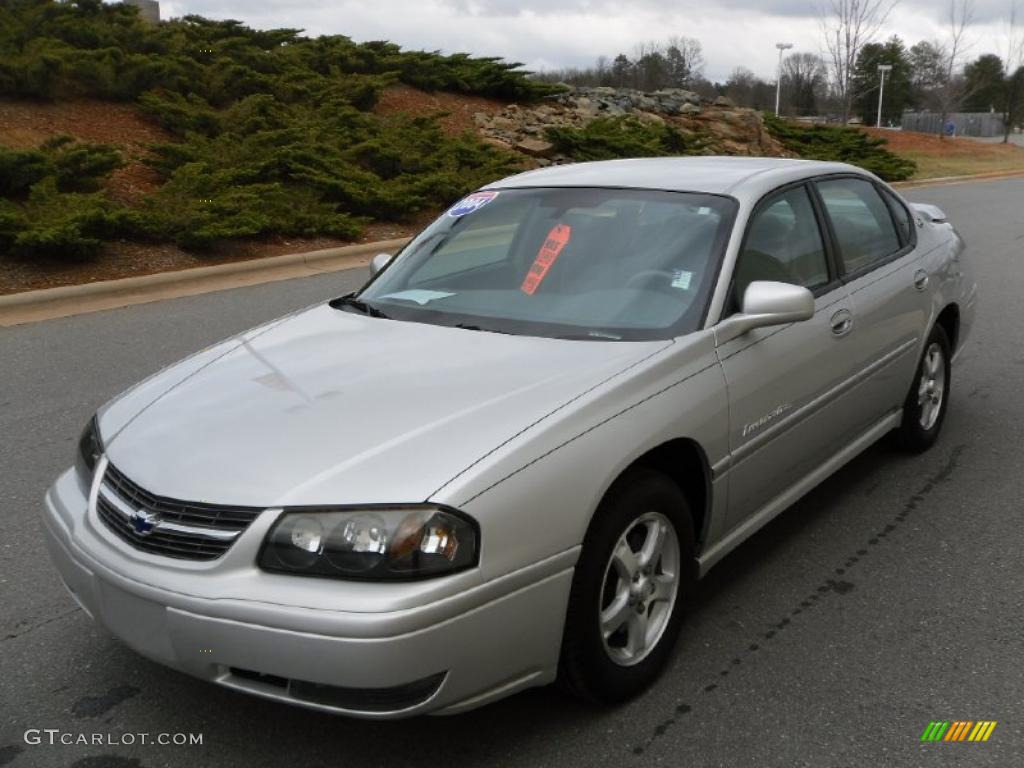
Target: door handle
841, 322
920, 279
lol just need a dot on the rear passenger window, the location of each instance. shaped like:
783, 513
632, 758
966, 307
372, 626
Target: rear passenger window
783, 245
862, 222
904, 224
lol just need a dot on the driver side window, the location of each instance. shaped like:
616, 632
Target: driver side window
783, 244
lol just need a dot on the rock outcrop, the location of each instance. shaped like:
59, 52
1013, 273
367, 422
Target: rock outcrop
727, 129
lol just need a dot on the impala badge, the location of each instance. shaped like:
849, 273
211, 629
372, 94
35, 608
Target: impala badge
774, 413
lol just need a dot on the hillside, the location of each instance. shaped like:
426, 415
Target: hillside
127, 147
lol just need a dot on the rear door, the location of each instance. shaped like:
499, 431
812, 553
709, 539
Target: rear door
787, 396
874, 240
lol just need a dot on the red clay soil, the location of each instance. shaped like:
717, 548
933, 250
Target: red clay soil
458, 109
929, 144
904, 141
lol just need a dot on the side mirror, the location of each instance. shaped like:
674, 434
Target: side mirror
378, 263
931, 213
765, 304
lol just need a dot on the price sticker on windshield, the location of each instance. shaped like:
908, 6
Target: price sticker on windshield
556, 240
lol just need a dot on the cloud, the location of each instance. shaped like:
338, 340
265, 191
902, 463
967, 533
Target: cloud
984, 10
546, 34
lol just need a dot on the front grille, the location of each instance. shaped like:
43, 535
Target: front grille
181, 529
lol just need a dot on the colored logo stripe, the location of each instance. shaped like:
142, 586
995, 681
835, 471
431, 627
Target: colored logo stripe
982, 731
958, 730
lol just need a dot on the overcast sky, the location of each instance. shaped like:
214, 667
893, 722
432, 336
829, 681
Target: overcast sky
547, 34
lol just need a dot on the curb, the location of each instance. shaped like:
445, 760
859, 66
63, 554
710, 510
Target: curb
946, 180
49, 303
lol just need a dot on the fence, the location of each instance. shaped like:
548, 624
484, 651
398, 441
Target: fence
979, 124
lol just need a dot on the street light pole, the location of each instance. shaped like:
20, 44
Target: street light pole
778, 81
882, 69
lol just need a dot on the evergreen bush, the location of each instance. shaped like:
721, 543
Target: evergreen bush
841, 144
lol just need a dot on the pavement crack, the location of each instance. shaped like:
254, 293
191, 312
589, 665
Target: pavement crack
34, 627
821, 591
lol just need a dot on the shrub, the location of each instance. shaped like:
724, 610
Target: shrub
80, 167
75, 167
19, 170
63, 225
608, 138
85, 47
336, 165
200, 207
11, 223
180, 114
274, 133
49, 206
841, 144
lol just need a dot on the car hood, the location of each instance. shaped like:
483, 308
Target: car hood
328, 407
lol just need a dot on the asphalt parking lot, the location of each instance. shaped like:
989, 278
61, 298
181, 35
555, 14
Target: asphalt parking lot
891, 596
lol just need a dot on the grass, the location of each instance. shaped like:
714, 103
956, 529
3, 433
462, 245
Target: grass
939, 158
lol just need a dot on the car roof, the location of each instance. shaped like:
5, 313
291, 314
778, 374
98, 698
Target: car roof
745, 177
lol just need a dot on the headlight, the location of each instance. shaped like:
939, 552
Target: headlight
90, 448
371, 543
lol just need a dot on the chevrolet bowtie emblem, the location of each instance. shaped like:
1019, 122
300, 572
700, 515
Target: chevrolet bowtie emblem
143, 522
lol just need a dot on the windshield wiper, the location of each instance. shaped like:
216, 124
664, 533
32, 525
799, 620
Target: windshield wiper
359, 306
590, 336
470, 327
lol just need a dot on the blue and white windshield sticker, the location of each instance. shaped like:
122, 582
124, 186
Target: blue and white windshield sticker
471, 203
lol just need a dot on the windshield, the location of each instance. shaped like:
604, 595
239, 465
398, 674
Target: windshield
614, 264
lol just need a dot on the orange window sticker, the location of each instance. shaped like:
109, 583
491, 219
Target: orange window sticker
556, 240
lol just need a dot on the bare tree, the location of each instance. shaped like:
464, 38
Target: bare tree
804, 77
650, 69
953, 91
1013, 63
849, 25
685, 57
926, 73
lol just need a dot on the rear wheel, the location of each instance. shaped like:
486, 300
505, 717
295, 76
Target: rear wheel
924, 410
635, 573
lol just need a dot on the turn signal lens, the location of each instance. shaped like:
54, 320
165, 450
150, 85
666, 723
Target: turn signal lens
374, 544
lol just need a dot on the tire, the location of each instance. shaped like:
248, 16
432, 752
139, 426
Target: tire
924, 410
609, 670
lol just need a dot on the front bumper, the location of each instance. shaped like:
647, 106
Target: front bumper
441, 656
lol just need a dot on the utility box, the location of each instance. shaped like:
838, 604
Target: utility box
149, 10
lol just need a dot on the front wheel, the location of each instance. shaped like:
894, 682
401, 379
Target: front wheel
635, 572
925, 407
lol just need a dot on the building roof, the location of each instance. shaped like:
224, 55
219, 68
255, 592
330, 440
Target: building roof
714, 175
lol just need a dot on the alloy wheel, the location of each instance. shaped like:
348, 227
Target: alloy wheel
932, 387
641, 583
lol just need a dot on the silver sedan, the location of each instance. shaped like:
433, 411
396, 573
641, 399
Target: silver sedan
509, 458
